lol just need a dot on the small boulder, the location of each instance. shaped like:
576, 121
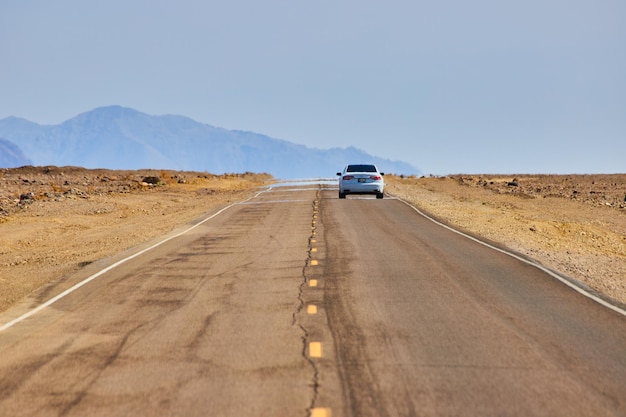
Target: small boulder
27, 197
153, 180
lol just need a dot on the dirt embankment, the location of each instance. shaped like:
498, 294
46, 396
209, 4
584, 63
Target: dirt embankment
575, 224
54, 221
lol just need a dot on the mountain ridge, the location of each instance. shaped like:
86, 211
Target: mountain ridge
116, 137
11, 156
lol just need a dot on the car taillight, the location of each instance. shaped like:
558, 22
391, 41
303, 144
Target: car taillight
348, 177
375, 177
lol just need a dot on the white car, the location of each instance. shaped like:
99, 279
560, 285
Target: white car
361, 179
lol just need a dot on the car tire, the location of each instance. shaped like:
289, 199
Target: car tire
380, 195
342, 195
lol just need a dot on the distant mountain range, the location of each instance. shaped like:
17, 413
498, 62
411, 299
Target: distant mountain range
11, 155
116, 137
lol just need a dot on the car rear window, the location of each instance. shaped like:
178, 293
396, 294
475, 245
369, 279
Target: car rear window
361, 168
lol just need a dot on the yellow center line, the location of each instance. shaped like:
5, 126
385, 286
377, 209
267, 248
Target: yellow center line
315, 349
311, 309
313, 262
313, 283
313, 249
320, 412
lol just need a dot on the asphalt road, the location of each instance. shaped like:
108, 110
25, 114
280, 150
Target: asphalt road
296, 303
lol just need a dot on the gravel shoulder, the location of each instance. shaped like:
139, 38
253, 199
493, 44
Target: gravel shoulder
574, 224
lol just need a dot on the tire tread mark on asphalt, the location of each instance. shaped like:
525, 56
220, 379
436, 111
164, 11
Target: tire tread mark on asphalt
108, 362
196, 343
9, 384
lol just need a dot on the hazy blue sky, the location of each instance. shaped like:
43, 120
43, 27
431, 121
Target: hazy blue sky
451, 86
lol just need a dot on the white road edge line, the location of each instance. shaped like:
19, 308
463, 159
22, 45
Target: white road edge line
118, 263
526, 261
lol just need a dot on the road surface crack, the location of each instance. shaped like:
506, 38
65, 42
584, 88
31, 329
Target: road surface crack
299, 311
